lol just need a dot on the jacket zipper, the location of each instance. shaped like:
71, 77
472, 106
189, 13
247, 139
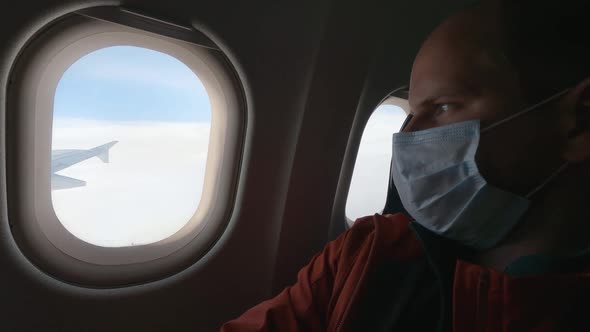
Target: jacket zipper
482, 301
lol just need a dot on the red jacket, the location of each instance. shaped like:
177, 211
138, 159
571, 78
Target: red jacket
389, 274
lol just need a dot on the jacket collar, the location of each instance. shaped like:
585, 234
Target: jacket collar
441, 252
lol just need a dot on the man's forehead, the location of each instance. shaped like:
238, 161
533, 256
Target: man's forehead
442, 68
463, 52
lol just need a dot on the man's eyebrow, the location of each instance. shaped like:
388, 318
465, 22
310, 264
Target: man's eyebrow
440, 93
458, 90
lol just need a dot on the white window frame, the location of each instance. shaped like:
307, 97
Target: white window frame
36, 228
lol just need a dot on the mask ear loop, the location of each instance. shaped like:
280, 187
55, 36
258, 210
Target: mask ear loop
525, 111
549, 179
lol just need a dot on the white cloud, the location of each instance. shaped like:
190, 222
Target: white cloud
153, 183
148, 191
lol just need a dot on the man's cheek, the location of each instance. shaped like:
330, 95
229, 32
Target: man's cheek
498, 161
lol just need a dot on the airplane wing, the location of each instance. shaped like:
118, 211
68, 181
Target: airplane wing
64, 182
61, 159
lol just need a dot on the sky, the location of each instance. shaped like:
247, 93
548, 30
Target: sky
159, 112
126, 83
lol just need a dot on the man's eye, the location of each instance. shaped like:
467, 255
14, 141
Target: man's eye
443, 108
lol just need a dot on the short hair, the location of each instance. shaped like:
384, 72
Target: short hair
548, 43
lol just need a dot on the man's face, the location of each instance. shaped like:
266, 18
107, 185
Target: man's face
460, 74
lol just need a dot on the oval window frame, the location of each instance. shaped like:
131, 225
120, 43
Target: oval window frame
36, 228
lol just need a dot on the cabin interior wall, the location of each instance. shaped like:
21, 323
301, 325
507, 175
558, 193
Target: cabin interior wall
307, 67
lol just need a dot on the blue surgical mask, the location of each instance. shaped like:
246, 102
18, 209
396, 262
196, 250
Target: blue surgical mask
440, 186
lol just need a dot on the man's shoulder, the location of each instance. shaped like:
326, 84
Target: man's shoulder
388, 228
386, 235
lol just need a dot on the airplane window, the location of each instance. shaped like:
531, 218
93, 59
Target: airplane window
368, 188
129, 146
128, 134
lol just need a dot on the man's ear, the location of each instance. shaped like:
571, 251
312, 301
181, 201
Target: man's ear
578, 142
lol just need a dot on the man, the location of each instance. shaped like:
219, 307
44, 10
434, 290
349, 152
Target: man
493, 165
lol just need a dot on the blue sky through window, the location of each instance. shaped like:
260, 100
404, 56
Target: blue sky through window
127, 83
